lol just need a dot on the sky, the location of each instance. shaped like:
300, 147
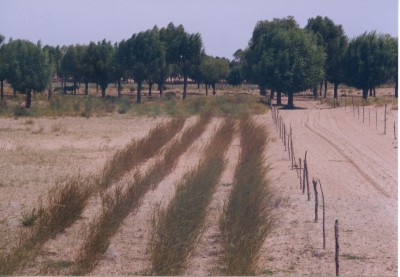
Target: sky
225, 25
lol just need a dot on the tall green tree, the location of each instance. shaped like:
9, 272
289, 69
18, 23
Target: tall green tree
333, 40
183, 49
71, 64
28, 68
54, 55
213, 70
369, 61
284, 58
145, 55
100, 64
263, 34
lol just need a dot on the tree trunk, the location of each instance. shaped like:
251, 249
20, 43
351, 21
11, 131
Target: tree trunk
198, 85
139, 92
290, 100
49, 94
14, 92
335, 88
28, 99
119, 88
320, 89
97, 89
326, 88
374, 92
86, 88
370, 92
74, 87
150, 87
315, 93
206, 89
365, 93
262, 91
279, 99
213, 87
272, 94
396, 89
184, 86
103, 91
161, 89
1, 89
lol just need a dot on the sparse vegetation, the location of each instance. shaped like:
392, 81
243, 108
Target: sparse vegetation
118, 203
177, 228
248, 215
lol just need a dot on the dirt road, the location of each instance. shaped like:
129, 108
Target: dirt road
357, 166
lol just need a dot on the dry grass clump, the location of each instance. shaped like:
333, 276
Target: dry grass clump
247, 217
180, 224
65, 203
138, 151
120, 202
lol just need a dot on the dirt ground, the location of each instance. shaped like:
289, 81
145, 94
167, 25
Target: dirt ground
356, 164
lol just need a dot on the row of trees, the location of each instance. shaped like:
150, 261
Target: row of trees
151, 56
281, 57
285, 58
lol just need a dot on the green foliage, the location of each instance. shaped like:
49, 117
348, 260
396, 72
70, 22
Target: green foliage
100, 64
145, 54
27, 66
283, 57
235, 76
213, 69
334, 42
370, 61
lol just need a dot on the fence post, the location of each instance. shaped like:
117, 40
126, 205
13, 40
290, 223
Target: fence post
323, 215
394, 129
369, 117
363, 113
304, 172
385, 120
316, 199
300, 173
284, 135
337, 246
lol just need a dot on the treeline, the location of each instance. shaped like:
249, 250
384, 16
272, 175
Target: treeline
280, 56
285, 58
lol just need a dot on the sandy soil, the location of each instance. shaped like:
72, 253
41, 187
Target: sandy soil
356, 164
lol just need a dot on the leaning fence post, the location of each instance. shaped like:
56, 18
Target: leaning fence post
316, 200
323, 215
300, 173
308, 185
385, 120
337, 246
304, 172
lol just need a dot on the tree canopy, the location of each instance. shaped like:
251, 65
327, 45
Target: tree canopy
28, 67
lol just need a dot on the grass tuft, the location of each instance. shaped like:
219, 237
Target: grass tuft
247, 217
178, 227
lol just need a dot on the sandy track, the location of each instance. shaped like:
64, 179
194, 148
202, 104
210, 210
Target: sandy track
357, 166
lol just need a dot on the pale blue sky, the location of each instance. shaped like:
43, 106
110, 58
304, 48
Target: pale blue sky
225, 25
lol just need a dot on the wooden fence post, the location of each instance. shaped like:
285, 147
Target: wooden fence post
363, 113
323, 215
304, 172
385, 120
337, 246
308, 185
394, 128
284, 135
316, 200
300, 174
